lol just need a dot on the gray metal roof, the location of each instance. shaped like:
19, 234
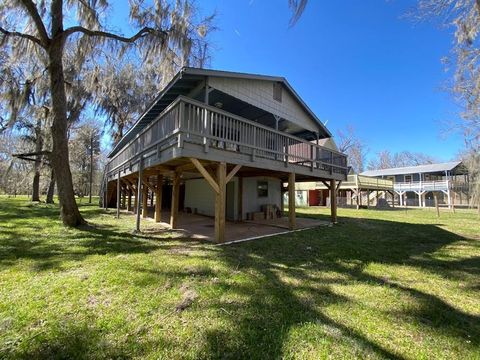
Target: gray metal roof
185, 81
428, 168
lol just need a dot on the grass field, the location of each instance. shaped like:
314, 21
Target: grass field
380, 284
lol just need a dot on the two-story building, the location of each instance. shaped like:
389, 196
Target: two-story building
419, 185
221, 144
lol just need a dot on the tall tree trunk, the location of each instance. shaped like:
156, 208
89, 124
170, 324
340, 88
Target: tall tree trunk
91, 170
38, 161
59, 157
51, 188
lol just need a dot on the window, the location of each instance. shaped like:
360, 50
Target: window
408, 178
277, 91
262, 189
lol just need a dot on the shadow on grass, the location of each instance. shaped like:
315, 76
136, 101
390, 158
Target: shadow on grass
285, 295
16, 242
288, 287
70, 339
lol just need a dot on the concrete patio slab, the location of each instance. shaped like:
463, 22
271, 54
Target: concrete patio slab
201, 227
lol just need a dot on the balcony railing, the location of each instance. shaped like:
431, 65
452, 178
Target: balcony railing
187, 120
441, 185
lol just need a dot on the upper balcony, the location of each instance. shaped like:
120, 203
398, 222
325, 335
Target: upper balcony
207, 129
423, 186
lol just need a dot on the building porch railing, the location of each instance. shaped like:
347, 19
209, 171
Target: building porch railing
187, 120
417, 186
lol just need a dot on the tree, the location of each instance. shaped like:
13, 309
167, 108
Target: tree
471, 159
166, 34
85, 149
121, 93
464, 16
355, 148
386, 160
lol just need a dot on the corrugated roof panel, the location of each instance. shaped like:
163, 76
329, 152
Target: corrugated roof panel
427, 168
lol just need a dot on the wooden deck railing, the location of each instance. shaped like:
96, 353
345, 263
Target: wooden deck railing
360, 181
187, 120
439, 185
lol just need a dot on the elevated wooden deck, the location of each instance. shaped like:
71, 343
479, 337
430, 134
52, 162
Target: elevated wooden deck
188, 128
190, 139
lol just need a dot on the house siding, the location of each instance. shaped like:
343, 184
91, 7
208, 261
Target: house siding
200, 196
260, 94
251, 201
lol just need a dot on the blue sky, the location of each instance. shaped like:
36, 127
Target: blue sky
358, 63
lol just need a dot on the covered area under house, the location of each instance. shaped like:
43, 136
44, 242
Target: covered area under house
224, 145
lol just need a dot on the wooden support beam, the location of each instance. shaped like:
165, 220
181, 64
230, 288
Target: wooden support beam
240, 198
158, 198
333, 201
144, 201
139, 194
436, 203
220, 199
326, 184
291, 202
232, 173
175, 200
118, 195
148, 185
124, 196
186, 167
135, 200
129, 199
201, 169
338, 185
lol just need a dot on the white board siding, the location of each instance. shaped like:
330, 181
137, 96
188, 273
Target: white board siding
199, 195
251, 201
260, 94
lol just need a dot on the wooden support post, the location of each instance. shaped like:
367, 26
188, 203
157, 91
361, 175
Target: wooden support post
220, 200
175, 200
129, 198
105, 194
454, 200
135, 200
139, 193
358, 198
240, 198
333, 201
124, 196
435, 198
144, 201
158, 198
291, 202
118, 195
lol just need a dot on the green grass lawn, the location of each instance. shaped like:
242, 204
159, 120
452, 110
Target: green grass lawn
380, 284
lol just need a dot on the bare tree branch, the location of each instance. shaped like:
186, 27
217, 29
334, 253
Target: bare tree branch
37, 19
21, 35
98, 33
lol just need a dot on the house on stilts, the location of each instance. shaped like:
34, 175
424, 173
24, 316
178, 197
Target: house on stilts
222, 144
420, 185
